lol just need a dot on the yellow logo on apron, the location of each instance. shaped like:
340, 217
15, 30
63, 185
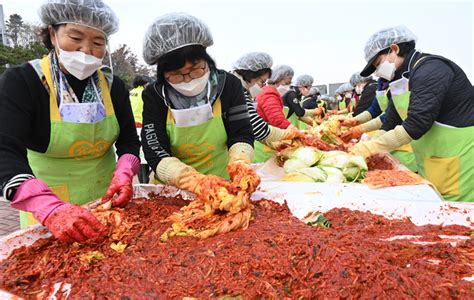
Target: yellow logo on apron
85, 149
198, 153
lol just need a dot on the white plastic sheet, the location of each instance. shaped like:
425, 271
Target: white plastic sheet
420, 202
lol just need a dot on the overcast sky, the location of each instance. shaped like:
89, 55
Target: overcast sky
322, 38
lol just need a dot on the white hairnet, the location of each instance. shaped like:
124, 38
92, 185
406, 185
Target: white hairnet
91, 13
304, 80
281, 71
384, 38
173, 31
253, 61
345, 87
356, 78
314, 90
325, 97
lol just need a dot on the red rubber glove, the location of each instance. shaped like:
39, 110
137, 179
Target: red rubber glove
353, 133
65, 223
72, 223
127, 166
349, 122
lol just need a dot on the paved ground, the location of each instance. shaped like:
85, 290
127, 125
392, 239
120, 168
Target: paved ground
9, 218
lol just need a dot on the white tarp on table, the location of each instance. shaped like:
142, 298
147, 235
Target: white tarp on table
419, 202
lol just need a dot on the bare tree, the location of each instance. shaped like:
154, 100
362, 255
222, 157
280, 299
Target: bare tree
126, 65
14, 26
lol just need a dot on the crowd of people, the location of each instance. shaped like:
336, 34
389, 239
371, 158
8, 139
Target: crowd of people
68, 125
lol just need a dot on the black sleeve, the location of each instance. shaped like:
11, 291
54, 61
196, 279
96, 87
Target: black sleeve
16, 122
235, 113
292, 101
155, 141
259, 126
429, 84
374, 108
392, 118
127, 141
366, 99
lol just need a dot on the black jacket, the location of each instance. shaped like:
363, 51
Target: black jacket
291, 99
439, 91
366, 98
235, 115
25, 119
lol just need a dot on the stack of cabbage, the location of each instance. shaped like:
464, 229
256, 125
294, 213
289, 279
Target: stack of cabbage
311, 165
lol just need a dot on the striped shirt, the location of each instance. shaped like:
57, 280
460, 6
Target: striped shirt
259, 126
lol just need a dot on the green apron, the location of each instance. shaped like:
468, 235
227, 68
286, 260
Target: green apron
202, 146
137, 103
262, 152
294, 119
444, 155
382, 99
342, 104
404, 154
79, 161
352, 105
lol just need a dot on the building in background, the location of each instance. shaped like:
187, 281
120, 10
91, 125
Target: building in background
333, 87
2, 26
323, 88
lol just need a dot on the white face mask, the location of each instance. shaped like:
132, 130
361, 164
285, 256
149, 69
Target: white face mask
339, 98
386, 69
348, 95
359, 89
282, 89
192, 88
255, 90
78, 63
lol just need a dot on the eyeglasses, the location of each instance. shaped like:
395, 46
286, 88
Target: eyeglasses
193, 74
262, 82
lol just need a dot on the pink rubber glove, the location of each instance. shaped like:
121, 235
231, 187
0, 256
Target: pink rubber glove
66, 222
72, 223
127, 166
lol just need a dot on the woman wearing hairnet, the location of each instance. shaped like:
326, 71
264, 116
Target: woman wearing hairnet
60, 117
431, 108
337, 98
292, 102
371, 120
362, 120
271, 105
347, 102
364, 88
195, 119
253, 69
313, 99
269, 102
